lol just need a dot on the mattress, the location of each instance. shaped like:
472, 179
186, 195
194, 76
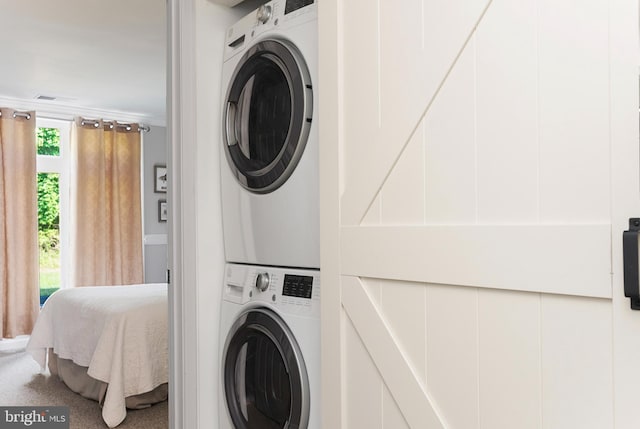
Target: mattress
118, 333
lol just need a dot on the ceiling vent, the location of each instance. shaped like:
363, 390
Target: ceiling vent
45, 97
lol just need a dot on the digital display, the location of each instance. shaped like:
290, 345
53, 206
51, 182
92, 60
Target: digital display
297, 286
293, 5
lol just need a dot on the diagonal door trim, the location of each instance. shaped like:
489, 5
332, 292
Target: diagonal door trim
410, 395
367, 183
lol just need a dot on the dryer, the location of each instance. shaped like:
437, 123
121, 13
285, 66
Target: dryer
270, 363
269, 171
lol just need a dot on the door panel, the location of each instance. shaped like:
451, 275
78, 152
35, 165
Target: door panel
363, 385
361, 73
576, 353
379, 147
507, 113
449, 140
402, 304
509, 359
394, 63
399, 204
452, 353
390, 360
573, 90
374, 213
472, 233
392, 417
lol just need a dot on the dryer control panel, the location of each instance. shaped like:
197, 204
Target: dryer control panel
270, 18
291, 290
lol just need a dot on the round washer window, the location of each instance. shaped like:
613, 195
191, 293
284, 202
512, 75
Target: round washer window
264, 375
267, 115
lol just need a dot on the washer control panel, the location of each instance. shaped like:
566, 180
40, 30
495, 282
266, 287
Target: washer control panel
298, 286
292, 290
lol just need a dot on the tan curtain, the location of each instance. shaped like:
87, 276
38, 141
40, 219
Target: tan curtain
19, 269
107, 239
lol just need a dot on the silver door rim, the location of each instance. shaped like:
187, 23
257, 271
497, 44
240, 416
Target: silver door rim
290, 61
266, 322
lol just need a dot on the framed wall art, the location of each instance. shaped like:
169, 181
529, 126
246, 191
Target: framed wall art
160, 178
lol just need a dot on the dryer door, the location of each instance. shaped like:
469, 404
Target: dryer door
267, 115
264, 375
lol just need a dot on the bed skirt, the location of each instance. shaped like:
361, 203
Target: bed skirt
76, 379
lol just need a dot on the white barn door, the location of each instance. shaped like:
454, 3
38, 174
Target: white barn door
480, 162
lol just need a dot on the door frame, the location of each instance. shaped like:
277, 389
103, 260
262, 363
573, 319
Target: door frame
181, 127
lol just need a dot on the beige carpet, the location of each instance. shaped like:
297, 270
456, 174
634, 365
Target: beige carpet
22, 383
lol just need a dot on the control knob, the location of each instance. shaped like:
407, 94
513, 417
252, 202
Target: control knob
264, 13
262, 282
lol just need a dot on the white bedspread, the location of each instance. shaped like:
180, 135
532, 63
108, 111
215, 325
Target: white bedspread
119, 332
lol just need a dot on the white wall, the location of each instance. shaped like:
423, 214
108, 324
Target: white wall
155, 232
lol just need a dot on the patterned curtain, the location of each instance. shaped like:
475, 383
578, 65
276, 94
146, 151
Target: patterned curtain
106, 208
19, 269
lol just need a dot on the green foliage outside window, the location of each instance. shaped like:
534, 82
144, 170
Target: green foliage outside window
48, 143
48, 202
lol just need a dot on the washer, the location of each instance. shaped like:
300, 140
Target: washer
270, 363
269, 172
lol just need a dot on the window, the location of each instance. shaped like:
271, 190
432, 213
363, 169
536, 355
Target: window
53, 204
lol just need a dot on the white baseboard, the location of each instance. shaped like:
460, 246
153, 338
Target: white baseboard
11, 344
155, 239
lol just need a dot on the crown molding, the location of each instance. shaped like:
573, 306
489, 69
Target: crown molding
57, 110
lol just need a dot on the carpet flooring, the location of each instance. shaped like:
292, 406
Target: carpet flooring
23, 383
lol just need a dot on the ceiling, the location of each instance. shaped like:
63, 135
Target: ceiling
90, 55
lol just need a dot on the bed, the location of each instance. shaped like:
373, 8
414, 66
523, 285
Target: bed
108, 343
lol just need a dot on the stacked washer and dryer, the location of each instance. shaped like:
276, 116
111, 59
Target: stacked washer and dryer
270, 312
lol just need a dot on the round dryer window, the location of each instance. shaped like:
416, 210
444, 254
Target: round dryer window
264, 375
267, 115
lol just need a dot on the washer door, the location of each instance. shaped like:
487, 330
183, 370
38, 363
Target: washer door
264, 375
267, 115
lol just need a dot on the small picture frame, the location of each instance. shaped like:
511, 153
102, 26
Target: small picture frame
162, 210
160, 179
